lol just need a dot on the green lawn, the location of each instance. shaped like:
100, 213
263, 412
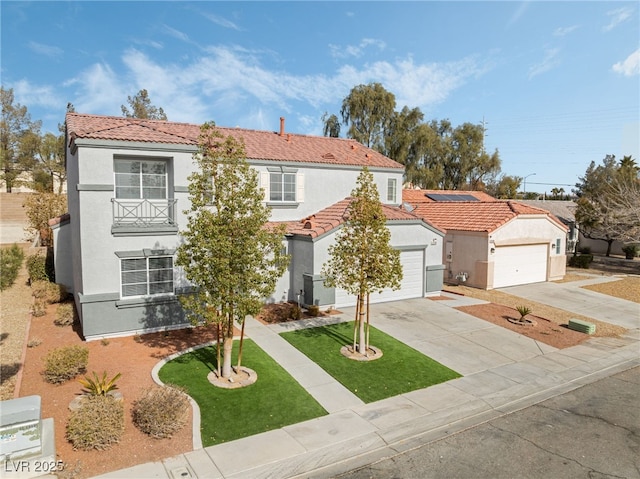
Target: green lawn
274, 401
401, 369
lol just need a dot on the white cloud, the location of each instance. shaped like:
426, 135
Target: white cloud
30, 95
549, 61
46, 50
346, 51
176, 33
99, 90
630, 66
562, 31
618, 16
223, 22
522, 8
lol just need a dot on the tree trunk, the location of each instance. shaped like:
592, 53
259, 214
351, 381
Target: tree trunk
355, 324
218, 350
362, 349
367, 341
609, 243
240, 345
226, 356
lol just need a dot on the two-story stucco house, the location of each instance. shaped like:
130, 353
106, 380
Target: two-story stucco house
127, 191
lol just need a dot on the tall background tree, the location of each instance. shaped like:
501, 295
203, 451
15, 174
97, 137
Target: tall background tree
362, 261
228, 254
141, 107
607, 198
435, 154
19, 140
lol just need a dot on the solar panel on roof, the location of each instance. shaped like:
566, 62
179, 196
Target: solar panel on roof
440, 197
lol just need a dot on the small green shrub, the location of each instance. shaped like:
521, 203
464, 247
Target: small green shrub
65, 314
97, 424
295, 312
313, 310
581, 261
631, 250
62, 364
50, 292
523, 310
39, 307
585, 249
37, 268
10, 263
99, 386
161, 411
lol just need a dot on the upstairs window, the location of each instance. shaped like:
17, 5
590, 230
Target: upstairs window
282, 187
141, 179
146, 276
391, 189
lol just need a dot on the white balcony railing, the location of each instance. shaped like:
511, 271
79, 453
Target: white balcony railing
143, 213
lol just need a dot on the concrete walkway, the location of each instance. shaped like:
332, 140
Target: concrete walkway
502, 372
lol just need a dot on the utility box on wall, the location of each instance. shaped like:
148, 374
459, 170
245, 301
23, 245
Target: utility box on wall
315, 292
434, 278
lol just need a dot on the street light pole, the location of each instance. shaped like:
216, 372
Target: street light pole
525, 185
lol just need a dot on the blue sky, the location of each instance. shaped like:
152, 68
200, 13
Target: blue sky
556, 83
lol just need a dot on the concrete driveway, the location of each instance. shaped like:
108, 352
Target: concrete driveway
571, 297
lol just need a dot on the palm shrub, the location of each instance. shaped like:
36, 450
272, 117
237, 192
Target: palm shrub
97, 424
161, 411
10, 263
65, 363
99, 386
523, 310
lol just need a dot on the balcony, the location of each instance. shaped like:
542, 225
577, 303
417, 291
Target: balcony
144, 217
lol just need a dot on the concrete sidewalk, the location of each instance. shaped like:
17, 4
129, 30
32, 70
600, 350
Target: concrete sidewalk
502, 372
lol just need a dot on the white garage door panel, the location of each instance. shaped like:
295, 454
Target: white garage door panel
411, 286
515, 265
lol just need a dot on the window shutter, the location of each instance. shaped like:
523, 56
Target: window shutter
300, 187
264, 184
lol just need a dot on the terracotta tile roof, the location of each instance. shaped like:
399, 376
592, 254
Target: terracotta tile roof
260, 145
333, 216
415, 196
481, 216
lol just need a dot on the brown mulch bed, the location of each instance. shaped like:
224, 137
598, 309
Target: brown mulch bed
134, 358
545, 331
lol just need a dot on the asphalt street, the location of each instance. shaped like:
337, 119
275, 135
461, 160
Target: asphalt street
590, 432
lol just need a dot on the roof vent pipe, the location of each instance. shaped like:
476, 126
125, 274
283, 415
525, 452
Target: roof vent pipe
282, 126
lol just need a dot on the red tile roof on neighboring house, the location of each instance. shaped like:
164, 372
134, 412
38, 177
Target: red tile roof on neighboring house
416, 196
333, 216
260, 145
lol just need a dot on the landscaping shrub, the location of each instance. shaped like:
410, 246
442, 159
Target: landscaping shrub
161, 411
97, 423
37, 268
99, 386
50, 292
39, 308
313, 310
65, 363
65, 315
585, 249
631, 250
295, 312
523, 310
10, 263
581, 261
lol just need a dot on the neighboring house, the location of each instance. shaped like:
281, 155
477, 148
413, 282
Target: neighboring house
492, 243
128, 192
565, 211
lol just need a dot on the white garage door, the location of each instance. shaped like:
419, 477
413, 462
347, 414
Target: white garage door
411, 286
519, 265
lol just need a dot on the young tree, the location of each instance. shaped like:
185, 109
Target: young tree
19, 140
141, 107
602, 210
40, 208
228, 254
362, 260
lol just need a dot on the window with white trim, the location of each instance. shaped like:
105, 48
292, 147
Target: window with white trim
282, 187
391, 189
558, 242
147, 276
140, 179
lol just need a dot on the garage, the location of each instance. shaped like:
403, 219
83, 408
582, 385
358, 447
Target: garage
523, 264
411, 286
